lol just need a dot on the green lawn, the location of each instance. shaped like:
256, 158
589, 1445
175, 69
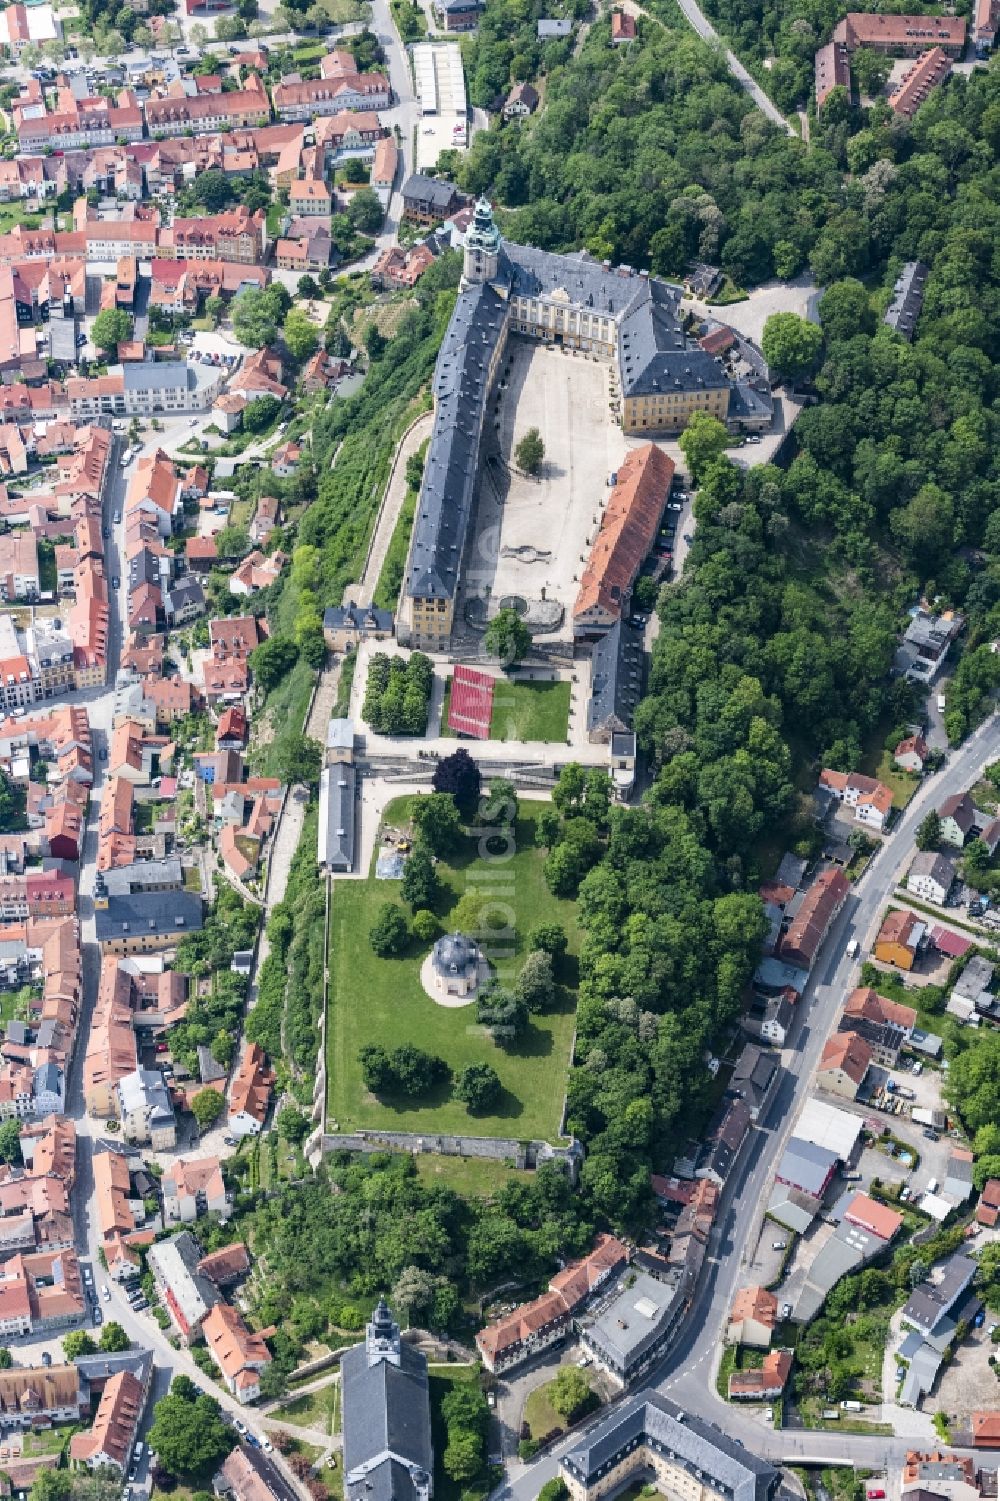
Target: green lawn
314, 1410
902, 784
539, 1414
472, 1177
522, 711
376, 1000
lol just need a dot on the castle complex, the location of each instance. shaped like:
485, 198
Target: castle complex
627, 317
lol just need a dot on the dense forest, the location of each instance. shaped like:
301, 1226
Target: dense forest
652, 156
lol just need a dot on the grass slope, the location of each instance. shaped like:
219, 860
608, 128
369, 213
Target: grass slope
376, 1000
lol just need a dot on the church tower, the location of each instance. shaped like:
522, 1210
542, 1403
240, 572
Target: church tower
482, 245
382, 1340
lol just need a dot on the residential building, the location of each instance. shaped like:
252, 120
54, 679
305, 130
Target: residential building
386, 1416
755, 1079
957, 1184
455, 16
337, 814
885, 1025
145, 1109
243, 1476
986, 1430
250, 1092
870, 800
624, 538
193, 1187
844, 1065
752, 1318
623, 27
28, 26
341, 87
521, 101
926, 75
429, 200
226, 1266
112, 1436
400, 267
958, 816
899, 939
40, 1293
140, 389
650, 1434
931, 876
819, 907
33, 1396
346, 626
925, 645
988, 1208
938, 1295
766, 1382
901, 315
239, 1353
146, 921
806, 1167
629, 1332
187, 1294
509, 1341
177, 113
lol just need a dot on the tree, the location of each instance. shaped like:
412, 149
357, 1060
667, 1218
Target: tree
570, 1393
354, 170
535, 985
215, 307
78, 1342
507, 637
791, 346
928, 834
376, 1069
550, 937
300, 335
499, 804
459, 775
703, 441
307, 286
114, 1340
478, 1086
463, 1457
212, 190
207, 1106
259, 414
111, 327
530, 451
293, 1126
436, 819
6, 1358
502, 1013
389, 934
232, 542
973, 1083
420, 881
255, 319
365, 211
301, 760
188, 1435
51, 1485
425, 926
272, 661
413, 1291
10, 1142
555, 1489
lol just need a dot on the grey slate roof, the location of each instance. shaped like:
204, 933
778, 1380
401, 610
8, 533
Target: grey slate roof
123, 879
386, 1416
805, 1165
908, 298
616, 675
433, 190
101, 1367
336, 817
695, 1445
460, 393
359, 618
144, 375
148, 912
653, 353
932, 1300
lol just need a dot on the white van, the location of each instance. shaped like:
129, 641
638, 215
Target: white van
932, 1186
940, 703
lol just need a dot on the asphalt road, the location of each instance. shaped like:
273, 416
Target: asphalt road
687, 1372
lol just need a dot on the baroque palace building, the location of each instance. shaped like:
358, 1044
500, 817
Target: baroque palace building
628, 317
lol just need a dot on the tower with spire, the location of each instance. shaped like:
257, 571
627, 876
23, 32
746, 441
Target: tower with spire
482, 245
382, 1338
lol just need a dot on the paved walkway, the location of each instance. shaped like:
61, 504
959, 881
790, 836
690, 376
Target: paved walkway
707, 31
363, 592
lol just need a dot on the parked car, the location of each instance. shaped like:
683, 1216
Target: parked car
779, 1245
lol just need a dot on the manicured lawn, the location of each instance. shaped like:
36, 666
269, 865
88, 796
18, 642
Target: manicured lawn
314, 1410
522, 711
382, 1001
472, 1177
539, 1414
902, 783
